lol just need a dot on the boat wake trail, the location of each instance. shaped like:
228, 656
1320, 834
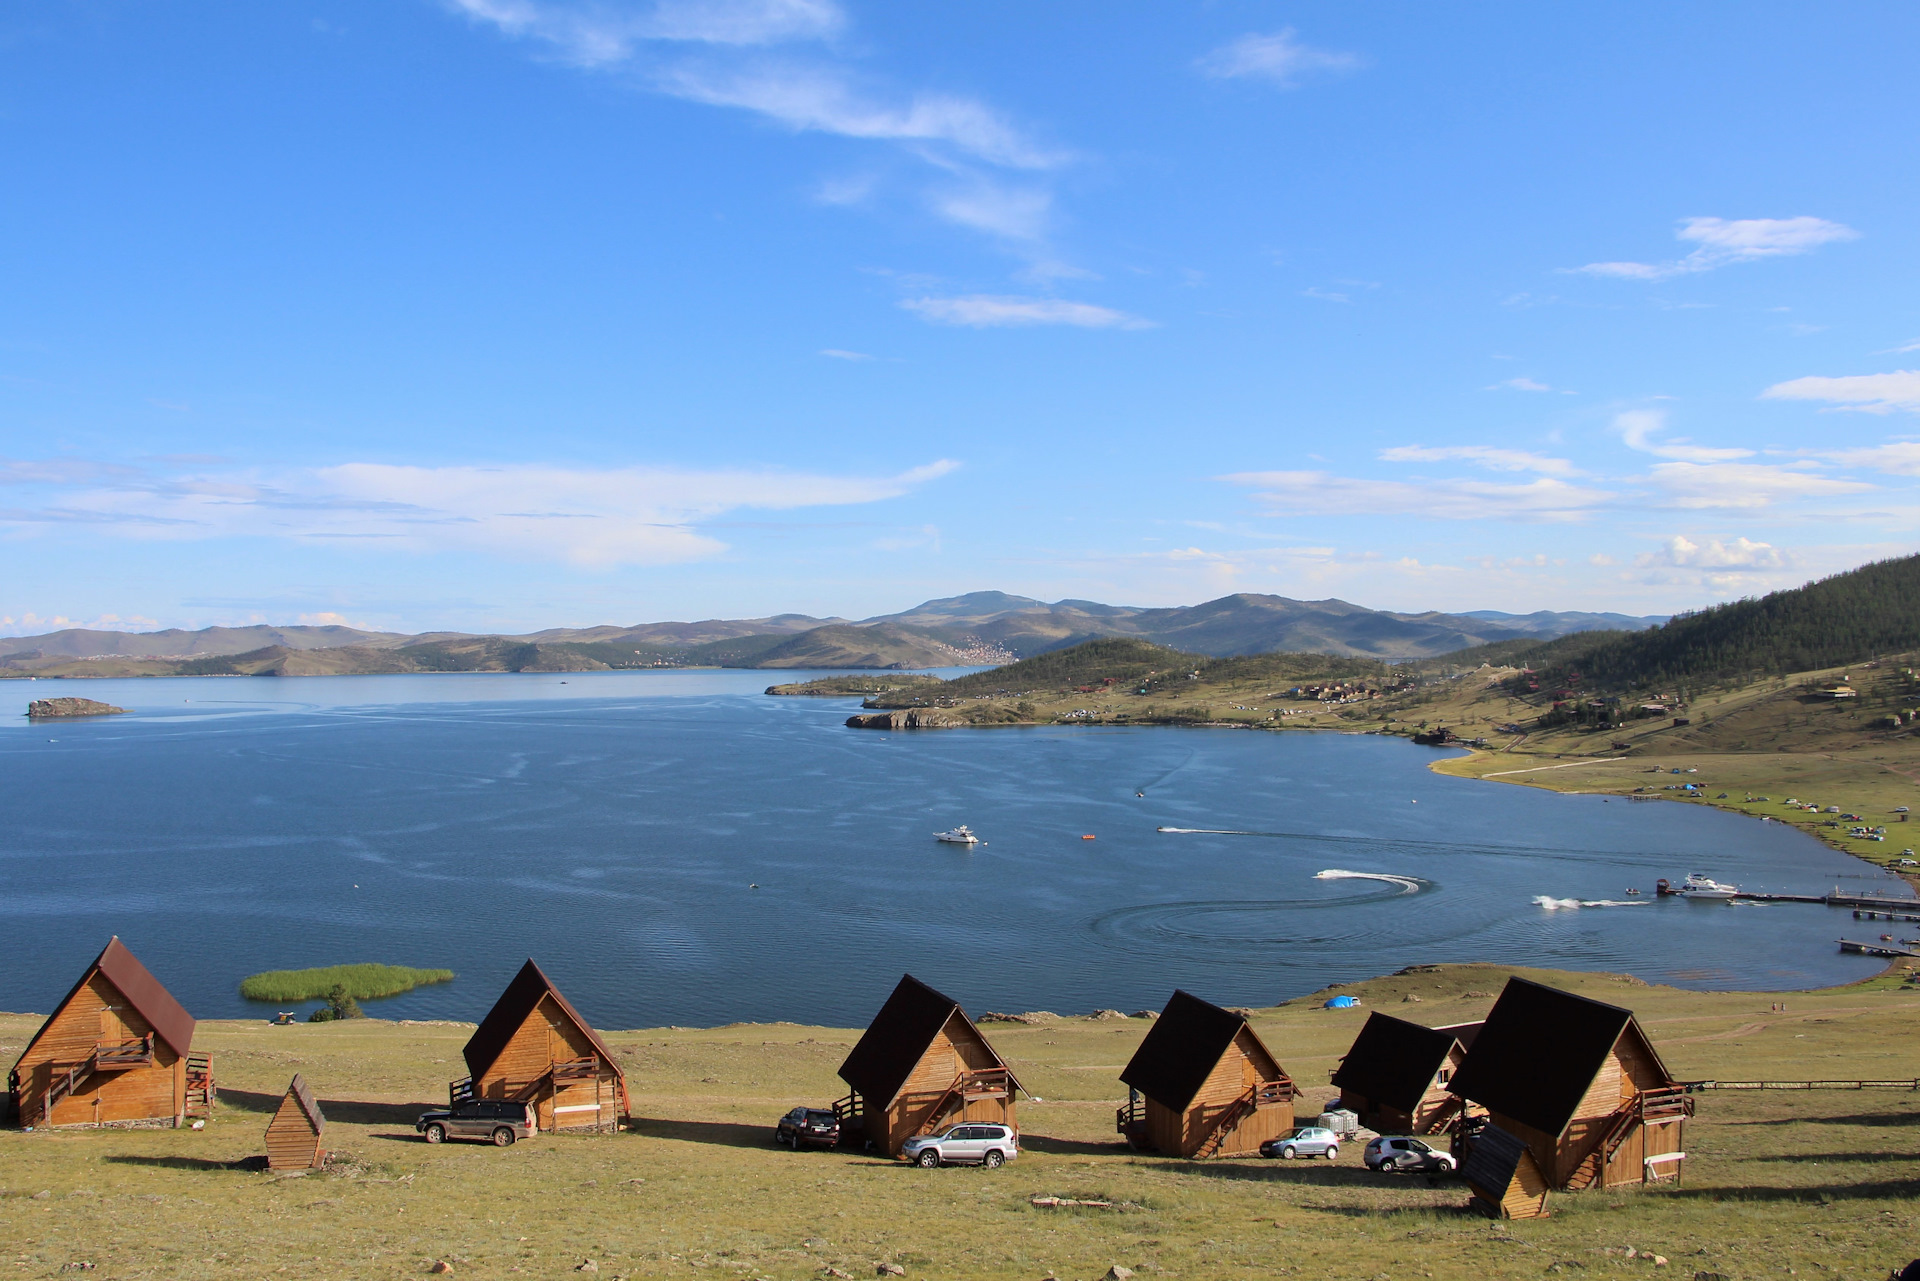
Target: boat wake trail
1407, 884
1562, 904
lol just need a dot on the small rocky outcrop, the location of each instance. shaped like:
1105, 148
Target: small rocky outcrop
47, 709
917, 718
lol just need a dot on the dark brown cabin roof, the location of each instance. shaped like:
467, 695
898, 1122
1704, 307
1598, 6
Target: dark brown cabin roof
1181, 1048
1463, 1032
308, 1104
900, 1033
1538, 1052
1392, 1061
1494, 1160
512, 1009
144, 992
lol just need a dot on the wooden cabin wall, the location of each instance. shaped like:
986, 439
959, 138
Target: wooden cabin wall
584, 1104
957, 1048
546, 1036
96, 1013
1526, 1196
292, 1143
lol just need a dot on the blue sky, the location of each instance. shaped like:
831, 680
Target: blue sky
501, 314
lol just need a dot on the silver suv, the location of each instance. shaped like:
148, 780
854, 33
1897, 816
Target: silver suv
1395, 1153
988, 1145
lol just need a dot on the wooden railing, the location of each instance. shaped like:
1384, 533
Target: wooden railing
201, 1094
1130, 1121
108, 1056
124, 1054
460, 1091
986, 1083
1665, 1104
850, 1111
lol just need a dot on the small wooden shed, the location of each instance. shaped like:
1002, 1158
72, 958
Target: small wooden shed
297, 1130
1577, 1084
118, 1050
534, 1047
1204, 1084
922, 1065
1395, 1076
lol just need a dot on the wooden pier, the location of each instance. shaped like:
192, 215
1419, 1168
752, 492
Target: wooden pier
1876, 949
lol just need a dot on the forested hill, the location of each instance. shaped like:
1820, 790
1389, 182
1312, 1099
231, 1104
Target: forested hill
1843, 619
1142, 664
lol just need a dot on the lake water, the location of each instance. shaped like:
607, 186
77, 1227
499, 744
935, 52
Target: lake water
612, 825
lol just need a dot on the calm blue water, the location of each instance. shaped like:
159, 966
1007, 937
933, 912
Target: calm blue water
611, 825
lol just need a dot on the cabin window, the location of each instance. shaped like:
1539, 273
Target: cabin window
1444, 1074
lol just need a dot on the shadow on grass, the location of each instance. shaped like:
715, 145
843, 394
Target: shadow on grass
346, 1111
729, 1134
1863, 1158
1886, 1189
1303, 1174
1857, 1118
1072, 1147
190, 1162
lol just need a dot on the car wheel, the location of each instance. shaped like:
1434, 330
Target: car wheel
995, 1159
929, 1159
1333, 1153
436, 1134
503, 1137
1287, 1154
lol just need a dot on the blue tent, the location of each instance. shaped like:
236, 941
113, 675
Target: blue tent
1342, 1002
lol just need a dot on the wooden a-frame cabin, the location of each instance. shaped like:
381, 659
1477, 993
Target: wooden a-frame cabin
118, 1050
533, 1047
1395, 1077
921, 1065
1576, 1097
297, 1130
1204, 1084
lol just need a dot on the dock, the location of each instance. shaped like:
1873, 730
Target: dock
1876, 949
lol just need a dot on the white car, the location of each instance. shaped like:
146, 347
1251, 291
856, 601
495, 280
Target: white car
988, 1145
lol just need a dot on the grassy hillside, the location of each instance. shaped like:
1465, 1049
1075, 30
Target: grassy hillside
1808, 1183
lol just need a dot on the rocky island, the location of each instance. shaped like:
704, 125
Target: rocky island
46, 709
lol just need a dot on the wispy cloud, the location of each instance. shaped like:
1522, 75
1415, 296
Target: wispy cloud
1723, 241
1745, 485
1279, 58
840, 354
1324, 295
1897, 458
1866, 393
983, 311
776, 59
1488, 456
594, 35
1637, 428
587, 516
1319, 493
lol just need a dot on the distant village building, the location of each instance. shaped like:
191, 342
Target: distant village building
297, 1130
1395, 1077
534, 1047
922, 1065
1204, 1084
117, 1050
1576, 1097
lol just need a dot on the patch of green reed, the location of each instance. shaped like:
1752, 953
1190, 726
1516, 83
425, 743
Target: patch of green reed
365, 982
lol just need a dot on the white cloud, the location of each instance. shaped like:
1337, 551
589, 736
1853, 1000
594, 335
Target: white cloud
1637, 426
1324, 295
983, 311
840, 354
1318, 493
1520, 384
1487, 456
1867, 393
1722, 241
1899, 458
820, 99
593, 35
1682, 552
1279, 58
608, 516
1016, 213
1744, 485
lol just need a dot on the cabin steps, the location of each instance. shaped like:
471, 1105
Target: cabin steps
201, 1093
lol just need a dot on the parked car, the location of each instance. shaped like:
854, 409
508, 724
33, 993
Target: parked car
1397, 1154
1303, 1140
498, 1122
988, 1145
802, 1126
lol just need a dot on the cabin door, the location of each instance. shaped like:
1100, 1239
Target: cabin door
1249, 1075
114, 1028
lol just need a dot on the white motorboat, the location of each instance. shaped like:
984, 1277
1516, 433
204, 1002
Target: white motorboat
1701, 886
961, 835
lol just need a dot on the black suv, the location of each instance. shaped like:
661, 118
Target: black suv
808, 1125
500, 1123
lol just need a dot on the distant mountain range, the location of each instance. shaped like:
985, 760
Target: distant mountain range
977, 628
